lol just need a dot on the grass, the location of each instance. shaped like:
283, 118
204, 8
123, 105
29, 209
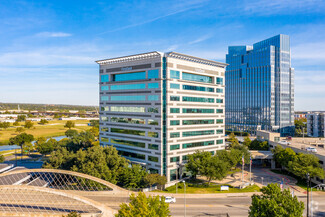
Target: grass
202, 188
7, 152
53, 128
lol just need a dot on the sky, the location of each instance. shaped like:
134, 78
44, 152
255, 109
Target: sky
48, 48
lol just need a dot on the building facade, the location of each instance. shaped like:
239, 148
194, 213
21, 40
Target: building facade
316, 124
157, 108
260, 87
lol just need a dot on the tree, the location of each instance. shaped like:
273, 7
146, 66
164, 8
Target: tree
151, 179
215, 168
306, 163
20, 140
2, 158
145, 207
242, 150
73, 214
133, 177
4, 125
283, 156
21, 118
16, 124
274, 202
28, 147
247, 141
44, 121
233, 140
196, 161
259, 145
69, 124
71, 133
47, 147
94, 131
28, 124
20, 129
94, 123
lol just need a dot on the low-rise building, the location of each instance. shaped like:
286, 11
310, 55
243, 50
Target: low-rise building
316, 124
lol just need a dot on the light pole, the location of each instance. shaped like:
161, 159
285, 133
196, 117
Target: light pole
311, 197
184, 198
262, 180
308, 182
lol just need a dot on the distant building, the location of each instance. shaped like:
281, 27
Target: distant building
300, 115
260, 87
316, 124
157, 108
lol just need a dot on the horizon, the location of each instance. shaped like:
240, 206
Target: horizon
49, 49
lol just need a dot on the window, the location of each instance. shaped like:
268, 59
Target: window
197, 99
174, 86
172, 175
219, 81
198, 133
129, 76
174, 98
219, 111
219, 90
152, 158
198, 78
184, 157
129, 98
132, 155
153, 134
219, 131
174, 74
153, 110
153, 171
104, 129
153, 85
104, 98
104, 78
190, 110
174, 122
219, 121
104, 118
128, 120
128, 143
198, 88
127, 109
153, 73
174, 110
174, 135
174, 159
104, 108
174, 147
192, 122
152, 122
128, 86
219, 100
219, 141
153, 146
104, 88
197, 144
127, 131
104, 139
153, 97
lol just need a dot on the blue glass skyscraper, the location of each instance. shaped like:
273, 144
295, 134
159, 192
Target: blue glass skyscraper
260, 87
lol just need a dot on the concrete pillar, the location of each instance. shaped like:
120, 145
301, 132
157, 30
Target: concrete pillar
272, 164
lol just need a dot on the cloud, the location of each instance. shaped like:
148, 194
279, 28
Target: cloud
53, 34
201, 39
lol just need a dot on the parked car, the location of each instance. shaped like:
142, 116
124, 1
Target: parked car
311, 149
170, 199
284, 142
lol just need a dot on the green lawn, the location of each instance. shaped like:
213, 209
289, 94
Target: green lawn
199, 188
53, 128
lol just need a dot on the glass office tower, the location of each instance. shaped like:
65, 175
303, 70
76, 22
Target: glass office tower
259, 87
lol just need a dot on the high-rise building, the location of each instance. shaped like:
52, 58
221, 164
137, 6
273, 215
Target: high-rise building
157, 108
316, 124
260, 87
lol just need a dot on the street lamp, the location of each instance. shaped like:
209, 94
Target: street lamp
308, 183
311, 197
184, 198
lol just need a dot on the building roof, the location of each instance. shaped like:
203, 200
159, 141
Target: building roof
156, 54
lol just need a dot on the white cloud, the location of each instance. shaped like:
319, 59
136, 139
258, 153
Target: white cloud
53, 34
201, 39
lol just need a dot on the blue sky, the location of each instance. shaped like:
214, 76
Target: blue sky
48, 48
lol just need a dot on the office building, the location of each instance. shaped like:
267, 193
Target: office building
157, 108
316, 124
260, 87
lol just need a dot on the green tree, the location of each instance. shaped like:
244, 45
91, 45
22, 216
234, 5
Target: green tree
16, 124
215, 168
44, 121
4, 125
133, 177
2, 158
283, 156
306, 163
28, 124
20, 129
274, 202
71, 133
241, 150
145, 207
20, 140
300, 126
47, 147
72, 214
233, 140
21, 118
69, 124
247, 141
196, 161
28, 147
152, 179
259, 145
94, 123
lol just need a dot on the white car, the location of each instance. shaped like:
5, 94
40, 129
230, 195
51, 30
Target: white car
283, 142
170, 199
311, 149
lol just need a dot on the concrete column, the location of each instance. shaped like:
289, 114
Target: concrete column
272, 164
